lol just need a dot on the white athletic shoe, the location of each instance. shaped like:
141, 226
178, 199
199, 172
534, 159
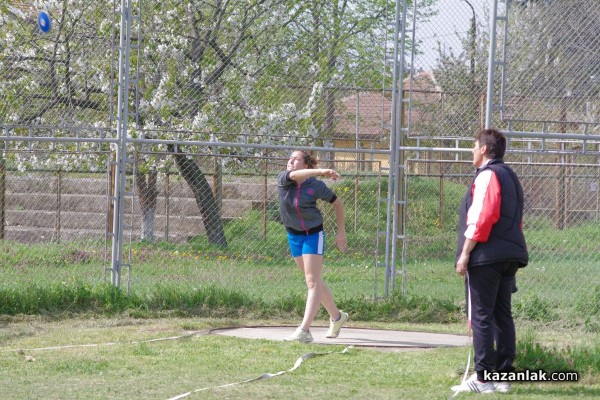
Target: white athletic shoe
503, 387
473, 385
299, 335
336, 326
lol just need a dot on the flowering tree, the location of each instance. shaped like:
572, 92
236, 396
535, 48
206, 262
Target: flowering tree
343, 43
551, 70
553, 47
254, 71
202, 59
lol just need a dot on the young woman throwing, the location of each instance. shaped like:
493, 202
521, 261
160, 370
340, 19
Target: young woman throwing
299, 191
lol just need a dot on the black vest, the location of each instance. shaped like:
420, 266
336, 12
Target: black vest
506, 242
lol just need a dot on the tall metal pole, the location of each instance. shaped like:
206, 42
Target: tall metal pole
392, 157
473, 51
491, 67
395, 177
121, 153
473, 42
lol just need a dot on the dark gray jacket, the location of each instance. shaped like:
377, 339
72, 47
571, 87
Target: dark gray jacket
298, 203
506, 242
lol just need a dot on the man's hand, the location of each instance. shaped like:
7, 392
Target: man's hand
465, 254
462, 263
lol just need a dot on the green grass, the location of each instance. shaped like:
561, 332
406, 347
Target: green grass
255, 272
123, 366
210, 301
59, 294
55, 278
552, 358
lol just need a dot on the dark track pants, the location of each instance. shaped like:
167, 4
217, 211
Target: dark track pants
490, 287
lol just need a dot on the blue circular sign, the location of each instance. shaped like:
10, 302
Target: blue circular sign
44, 21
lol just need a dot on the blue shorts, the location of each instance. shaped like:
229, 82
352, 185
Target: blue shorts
307, 244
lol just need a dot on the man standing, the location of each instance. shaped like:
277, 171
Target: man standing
491, 247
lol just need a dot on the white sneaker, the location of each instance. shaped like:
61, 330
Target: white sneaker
299, 335
336, 326
503, 387
473, 385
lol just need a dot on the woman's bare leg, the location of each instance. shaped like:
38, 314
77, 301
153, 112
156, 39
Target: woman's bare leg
318, 292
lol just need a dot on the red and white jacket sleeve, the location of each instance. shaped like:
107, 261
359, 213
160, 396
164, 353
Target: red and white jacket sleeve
485, 209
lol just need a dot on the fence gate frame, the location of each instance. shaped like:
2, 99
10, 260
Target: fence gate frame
400, 128
130, 36
130, 30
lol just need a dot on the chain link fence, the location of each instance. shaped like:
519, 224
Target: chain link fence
218, 93
61, 78
545, 96
560, 224
185, 228
552, 77
545, 77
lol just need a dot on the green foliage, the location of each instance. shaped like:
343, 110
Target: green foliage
39, 278
535, 309
73, 296
211, 301
415, 309
292, 303
543, 238
21, 256
430, 239
431, 228
136, 365
591, 323
237, 232
113, 299
425, 215
589, 304
362, 207
533, 355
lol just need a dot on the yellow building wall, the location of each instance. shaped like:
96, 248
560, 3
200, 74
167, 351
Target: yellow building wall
373, 160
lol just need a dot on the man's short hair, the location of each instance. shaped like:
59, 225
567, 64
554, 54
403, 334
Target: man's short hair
494, 140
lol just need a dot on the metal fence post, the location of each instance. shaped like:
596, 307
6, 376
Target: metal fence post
167, 204
121, 154
58, 205
2, 196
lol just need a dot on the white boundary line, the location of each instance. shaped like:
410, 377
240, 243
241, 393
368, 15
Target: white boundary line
263, 376
297, 364
73, 346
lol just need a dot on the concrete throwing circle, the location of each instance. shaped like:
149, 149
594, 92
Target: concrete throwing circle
380, 338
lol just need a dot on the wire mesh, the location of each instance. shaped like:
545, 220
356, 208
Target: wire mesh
248, 80
560, 225
553, 64
220, 226
61, 77
544, 85
195, 224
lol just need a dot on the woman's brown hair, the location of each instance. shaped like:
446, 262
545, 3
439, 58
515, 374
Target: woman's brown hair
309, 159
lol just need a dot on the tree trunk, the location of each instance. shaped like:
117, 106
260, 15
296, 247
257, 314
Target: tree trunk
147, 196
204, 197
148, 224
